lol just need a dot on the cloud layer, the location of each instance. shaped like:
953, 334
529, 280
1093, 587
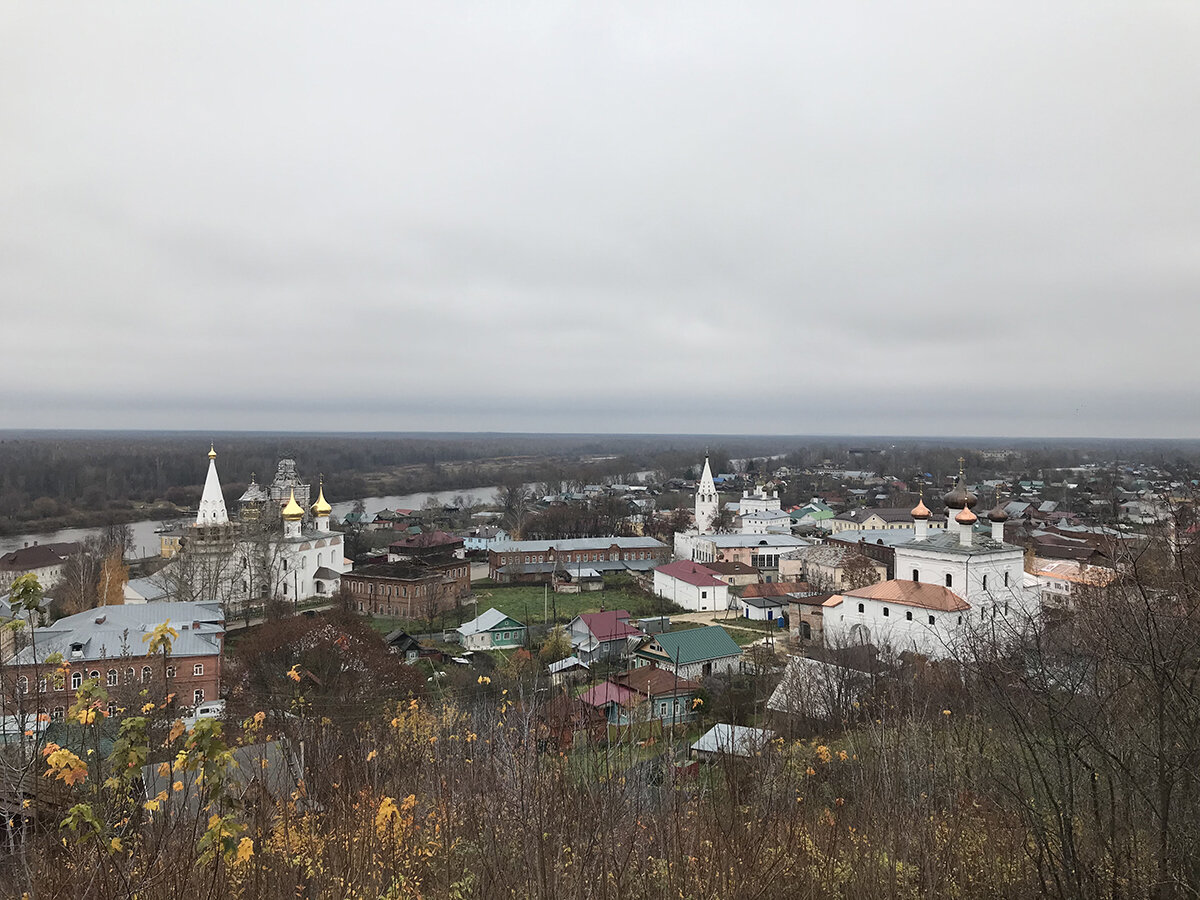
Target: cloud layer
934, 219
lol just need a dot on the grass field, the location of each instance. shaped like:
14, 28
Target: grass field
533, 606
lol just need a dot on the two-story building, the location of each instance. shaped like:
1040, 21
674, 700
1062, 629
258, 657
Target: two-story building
537, 561
109, 645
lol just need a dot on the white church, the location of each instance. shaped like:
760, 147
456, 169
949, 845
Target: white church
223, 562
952, 585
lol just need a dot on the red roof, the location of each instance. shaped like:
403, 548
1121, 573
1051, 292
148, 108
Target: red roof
606, 692
607, 626
691, 573
432, 539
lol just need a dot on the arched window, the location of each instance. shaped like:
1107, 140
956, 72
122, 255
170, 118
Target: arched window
94, 674
908, 615
862, 607
56, 714
949, 580
60, 681
76, 680
1006, 579
111, 679
916, 575
112, 708
146, 671
198, 669
22, 684
985, 582
886, 611
285, 565
129, 675
170, 671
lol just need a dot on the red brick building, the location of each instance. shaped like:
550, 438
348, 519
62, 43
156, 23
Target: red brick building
109, 644
408, 590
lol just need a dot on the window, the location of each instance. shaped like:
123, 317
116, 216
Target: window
949, 580
908, 615
129, 676
112, 708
662, 709
198, 696
76, 680
886, 612
56, 714
170, 671
931, 620
985, 582
916, 575
42, 685
285, 565
1006, 579
862, 607
23, 684
704, 595
60, 681
111, 678
198, 669
960, 620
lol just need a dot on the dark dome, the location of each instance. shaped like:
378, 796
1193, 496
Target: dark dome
997, 514
959, 497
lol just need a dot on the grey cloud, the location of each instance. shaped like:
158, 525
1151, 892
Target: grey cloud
785, 218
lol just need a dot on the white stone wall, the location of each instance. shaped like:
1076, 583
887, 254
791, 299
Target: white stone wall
690, 596
844, 625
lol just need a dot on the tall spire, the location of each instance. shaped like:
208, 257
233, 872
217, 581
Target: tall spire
212, 501
707, 500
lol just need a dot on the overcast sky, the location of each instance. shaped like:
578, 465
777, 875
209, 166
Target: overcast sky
947, 219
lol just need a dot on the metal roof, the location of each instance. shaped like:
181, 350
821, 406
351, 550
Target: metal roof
737, 740
695, 645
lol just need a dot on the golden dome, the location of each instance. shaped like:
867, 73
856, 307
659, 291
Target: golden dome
321, 507
212, 451
966, 517
920, 511
293, 512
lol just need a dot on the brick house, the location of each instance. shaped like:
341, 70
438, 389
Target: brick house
108, 644
408, 590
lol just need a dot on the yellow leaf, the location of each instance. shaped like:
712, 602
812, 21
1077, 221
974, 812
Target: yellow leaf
115, 845
245, 850
371, 755
294, 672
177, 729
151, 805
164, 769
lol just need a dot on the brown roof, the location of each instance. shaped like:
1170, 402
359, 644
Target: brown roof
652, 681
811, 599
731, 568
908, 593
36, 557
777, 589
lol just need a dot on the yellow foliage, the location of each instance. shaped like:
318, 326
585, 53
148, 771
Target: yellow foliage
245, 850
294, 673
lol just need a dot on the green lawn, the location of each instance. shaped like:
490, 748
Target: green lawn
533, 605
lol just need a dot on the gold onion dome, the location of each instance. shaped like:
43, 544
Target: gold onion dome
966, 517
212, 451
321, 507
920, 511
293, 512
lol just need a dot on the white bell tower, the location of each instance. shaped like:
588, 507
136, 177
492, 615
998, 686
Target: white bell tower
707, 500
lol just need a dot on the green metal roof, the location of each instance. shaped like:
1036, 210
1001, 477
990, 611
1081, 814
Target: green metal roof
697, 644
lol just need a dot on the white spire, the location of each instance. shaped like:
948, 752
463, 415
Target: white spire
212, 501
706, 500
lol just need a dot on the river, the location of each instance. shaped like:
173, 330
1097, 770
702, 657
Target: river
146, 540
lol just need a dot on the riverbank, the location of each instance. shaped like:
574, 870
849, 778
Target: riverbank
91, 519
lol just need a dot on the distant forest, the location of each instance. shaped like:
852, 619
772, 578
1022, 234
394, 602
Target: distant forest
53, 480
